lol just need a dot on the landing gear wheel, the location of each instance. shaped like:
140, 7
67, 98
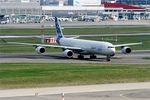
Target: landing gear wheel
108, 58
93, 57
80, 57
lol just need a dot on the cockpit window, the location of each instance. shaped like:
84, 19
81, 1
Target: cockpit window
111, 47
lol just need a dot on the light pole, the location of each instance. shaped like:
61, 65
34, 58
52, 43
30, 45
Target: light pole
42, 33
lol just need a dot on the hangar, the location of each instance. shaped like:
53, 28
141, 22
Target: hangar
51, 9
124, 11
20, 7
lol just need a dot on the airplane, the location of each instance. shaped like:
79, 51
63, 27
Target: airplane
71, 46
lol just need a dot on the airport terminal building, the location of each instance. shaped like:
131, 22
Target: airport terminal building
20, 7
39, 7
34, 9
130, 2
42, 7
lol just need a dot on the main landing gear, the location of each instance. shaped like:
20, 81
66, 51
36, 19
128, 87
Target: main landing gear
93, 57
80, 56
108, 58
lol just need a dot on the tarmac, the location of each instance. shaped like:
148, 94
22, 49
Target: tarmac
74, 24
136, 57
125, 91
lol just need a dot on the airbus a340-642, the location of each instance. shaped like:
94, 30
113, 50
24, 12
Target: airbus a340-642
71, 46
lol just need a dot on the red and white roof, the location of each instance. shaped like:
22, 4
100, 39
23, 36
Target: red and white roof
122, 6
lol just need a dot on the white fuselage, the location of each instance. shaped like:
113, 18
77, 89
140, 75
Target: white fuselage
88, 46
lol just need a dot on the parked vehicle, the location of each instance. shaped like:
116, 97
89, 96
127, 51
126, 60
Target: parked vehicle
3, 22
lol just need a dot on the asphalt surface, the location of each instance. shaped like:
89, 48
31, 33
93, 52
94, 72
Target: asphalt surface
138, 91
125, 91
48, 24
115, 95
119, 58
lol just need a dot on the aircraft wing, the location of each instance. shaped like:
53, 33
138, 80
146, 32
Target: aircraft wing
128, 44
74, 37
11, 37
48, 46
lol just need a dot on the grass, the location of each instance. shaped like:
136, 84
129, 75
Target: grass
147, 58
97, 30
6, 48
125, 39
101, 30
23, 75
10, 48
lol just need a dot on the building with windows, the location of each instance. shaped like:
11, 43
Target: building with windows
84, 2
123, 11
134, 2
74, 6
130, 2
20, 7
49, 2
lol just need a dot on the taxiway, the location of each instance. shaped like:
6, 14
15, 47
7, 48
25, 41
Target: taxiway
79, 24
125, 91
136, 57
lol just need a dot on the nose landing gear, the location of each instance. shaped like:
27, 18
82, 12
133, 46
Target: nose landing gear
93, 57
108, 58
80, 56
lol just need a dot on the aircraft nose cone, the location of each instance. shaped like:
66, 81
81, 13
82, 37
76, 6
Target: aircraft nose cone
113, 52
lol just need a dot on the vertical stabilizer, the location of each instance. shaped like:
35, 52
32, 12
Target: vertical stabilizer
59, 33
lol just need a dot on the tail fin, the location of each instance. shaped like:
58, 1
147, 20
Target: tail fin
59, 33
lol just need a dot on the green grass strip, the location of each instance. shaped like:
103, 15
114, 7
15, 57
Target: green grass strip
97, 30
23, 75
7, 48
147, 58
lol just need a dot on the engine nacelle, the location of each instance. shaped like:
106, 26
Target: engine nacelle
126, 50
68, 53
40, 50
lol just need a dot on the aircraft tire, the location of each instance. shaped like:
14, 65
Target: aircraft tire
80, 57
108, 58
93, 57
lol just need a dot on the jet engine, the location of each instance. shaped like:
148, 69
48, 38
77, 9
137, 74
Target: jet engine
126, 50
68, 53
40, 50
